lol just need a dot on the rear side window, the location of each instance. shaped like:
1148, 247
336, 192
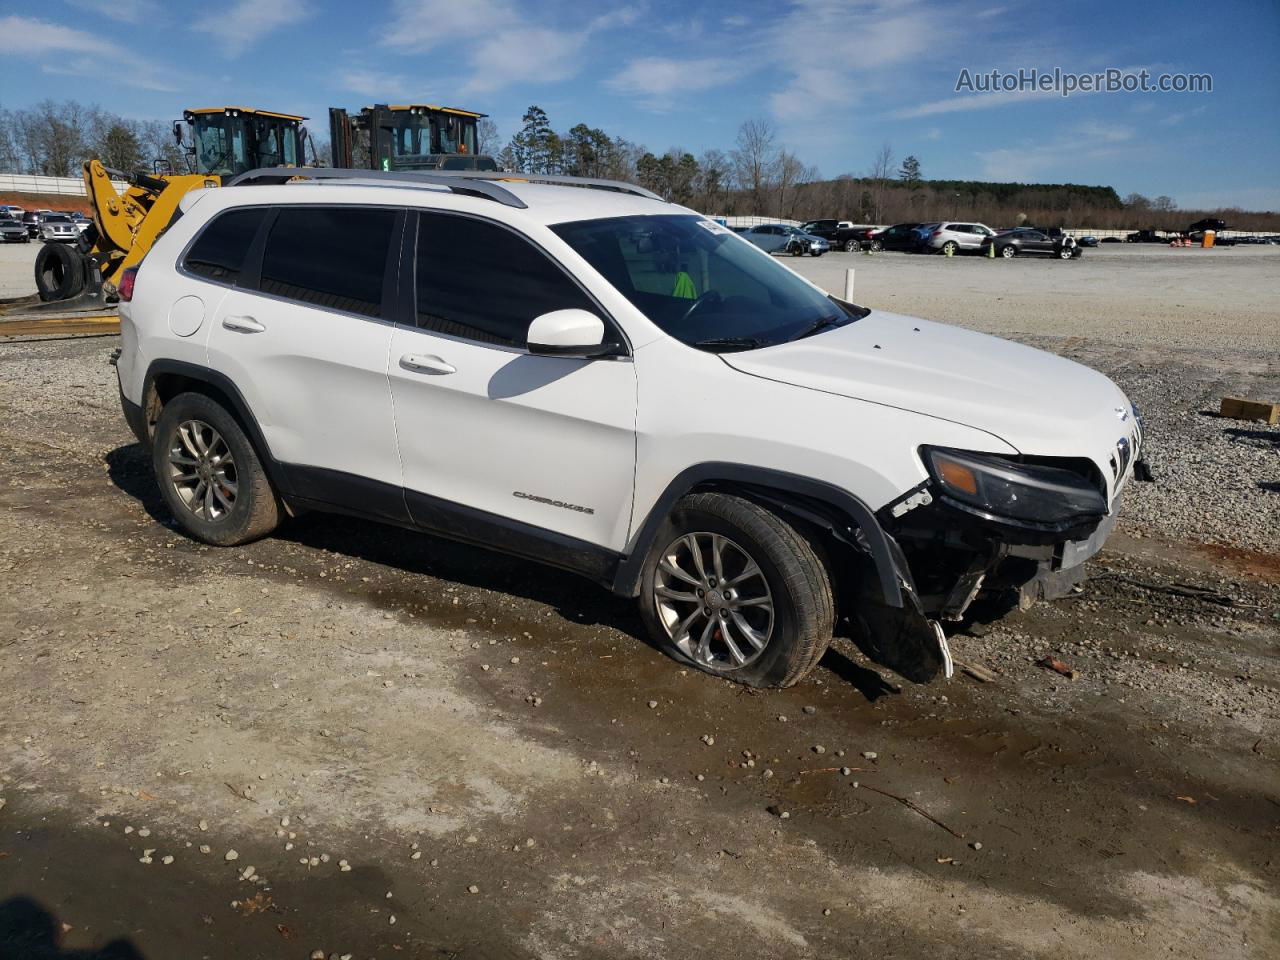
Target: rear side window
332, 257
219, 251
482, 282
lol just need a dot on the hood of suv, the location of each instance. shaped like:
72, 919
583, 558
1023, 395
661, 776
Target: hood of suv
1039, 403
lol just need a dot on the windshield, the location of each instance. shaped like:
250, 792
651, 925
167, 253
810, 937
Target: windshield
703, 284
56, 218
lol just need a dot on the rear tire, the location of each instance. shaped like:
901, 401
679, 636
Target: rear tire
851, 246
59, 272
950, 247
210, 475
771, 610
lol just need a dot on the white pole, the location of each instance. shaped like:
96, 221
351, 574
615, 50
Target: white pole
848, 285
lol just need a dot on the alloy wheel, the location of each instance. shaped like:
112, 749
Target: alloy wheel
202, 470
714, 602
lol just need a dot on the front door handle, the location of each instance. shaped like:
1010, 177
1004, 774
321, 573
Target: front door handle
243, 324
428, 363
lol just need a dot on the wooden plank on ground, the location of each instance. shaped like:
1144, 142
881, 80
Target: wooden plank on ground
60, 326
1238, 409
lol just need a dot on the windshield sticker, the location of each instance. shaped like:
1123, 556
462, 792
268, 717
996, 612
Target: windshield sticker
712, 227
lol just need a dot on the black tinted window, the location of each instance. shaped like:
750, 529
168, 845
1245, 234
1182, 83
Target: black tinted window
330, 256
483, 282
219, 251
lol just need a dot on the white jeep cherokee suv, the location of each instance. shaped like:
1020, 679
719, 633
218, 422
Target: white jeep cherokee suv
582, 374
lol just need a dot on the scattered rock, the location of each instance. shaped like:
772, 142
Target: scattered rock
811, 710
653, 704
231, 855
869, 755
473, 889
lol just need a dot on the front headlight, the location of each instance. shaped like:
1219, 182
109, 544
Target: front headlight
1040, 496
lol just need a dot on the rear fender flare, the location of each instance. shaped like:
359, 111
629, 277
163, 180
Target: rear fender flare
239, 408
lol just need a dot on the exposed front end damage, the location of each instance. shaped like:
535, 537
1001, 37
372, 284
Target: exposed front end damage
950, 549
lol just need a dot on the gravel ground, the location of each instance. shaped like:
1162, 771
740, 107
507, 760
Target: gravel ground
356, 740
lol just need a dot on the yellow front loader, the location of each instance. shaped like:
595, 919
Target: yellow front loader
222, 142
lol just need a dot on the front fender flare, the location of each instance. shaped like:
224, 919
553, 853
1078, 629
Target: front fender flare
862, 526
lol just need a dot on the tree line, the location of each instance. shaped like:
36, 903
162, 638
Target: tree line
758, 175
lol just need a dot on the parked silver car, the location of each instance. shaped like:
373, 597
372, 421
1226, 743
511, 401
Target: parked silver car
59, 228
12, 230
781, 238
957, 237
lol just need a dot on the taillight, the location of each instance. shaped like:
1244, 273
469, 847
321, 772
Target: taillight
127, 280
936, 233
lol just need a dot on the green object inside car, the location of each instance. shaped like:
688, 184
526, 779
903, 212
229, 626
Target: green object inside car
684, 287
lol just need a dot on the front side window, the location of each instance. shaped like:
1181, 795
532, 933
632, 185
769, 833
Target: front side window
701, 283
219, 251
333, 257
479, 281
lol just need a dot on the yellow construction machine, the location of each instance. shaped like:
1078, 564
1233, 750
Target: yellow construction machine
407, 137
219, 142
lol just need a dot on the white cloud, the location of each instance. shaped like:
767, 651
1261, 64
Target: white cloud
421, 25
35, 38
382, 86
524, 54
40, 39
240, 27
834, 51
125, 11
1173, 119
659, 80
1070, 148
505, 47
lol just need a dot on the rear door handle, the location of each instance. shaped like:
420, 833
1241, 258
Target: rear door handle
243, 324
428, 363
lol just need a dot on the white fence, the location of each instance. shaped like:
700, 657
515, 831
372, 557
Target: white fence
60, 186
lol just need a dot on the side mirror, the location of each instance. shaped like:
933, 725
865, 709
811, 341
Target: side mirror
177, 132
567, 333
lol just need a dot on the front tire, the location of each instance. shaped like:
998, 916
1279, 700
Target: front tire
210, 475
1009, 252
731, 589
876, 246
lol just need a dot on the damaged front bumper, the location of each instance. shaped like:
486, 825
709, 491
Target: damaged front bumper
947, 557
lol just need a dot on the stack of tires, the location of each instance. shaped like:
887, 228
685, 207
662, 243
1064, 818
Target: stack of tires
61, 272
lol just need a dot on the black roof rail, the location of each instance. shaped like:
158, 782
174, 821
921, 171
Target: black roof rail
486, 183
425, 178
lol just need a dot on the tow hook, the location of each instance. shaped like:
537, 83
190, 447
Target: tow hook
115, 356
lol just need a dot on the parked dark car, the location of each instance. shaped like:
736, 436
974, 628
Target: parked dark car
13, 231
1088, 240
901, 236
1013, 243
31, 220
1112, 240
1209, 223
1146, 236
840, 234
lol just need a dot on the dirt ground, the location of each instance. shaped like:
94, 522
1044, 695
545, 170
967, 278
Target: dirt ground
426, 750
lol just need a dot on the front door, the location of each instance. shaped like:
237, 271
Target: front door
525, 443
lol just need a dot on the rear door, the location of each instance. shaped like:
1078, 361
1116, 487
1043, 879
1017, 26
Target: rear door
490, 433
304, 336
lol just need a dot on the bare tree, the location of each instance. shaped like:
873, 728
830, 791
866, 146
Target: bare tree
881, 174
488, 142
755, 160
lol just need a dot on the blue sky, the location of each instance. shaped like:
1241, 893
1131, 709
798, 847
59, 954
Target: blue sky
839, 78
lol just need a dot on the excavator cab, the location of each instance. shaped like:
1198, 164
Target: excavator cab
226, 141
413, 137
